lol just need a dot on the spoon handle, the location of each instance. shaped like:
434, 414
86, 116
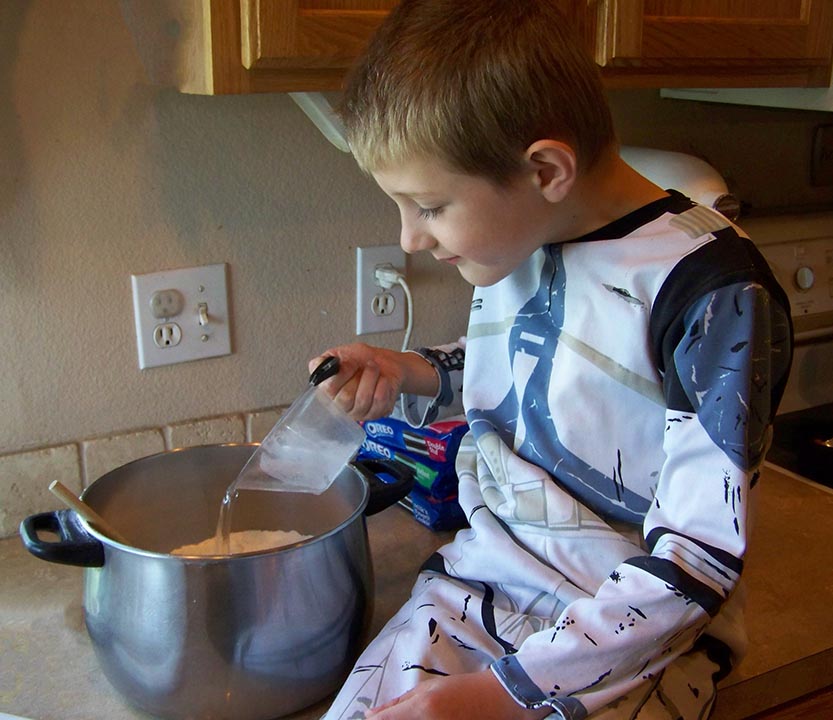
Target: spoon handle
85, 511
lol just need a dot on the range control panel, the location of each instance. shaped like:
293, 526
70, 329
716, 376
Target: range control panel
805, 270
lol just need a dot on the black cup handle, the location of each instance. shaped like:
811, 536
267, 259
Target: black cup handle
75, 545
326, 369
384, 494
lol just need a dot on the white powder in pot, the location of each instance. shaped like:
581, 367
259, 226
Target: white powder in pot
243, 541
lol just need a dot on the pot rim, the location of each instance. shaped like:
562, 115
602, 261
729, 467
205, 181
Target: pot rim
192, 559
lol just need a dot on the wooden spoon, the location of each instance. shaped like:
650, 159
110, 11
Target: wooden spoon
86, 512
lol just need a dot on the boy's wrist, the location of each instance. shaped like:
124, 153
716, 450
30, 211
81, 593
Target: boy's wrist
419, 376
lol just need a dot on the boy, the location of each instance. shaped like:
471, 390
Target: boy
625, 355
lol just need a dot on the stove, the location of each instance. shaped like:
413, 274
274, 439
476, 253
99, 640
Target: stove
800, 252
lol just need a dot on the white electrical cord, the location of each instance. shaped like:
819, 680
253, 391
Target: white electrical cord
406, 340
387, 276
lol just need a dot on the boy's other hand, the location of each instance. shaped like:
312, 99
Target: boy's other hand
477, 696
370, 379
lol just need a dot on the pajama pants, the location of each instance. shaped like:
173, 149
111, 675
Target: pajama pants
449, 627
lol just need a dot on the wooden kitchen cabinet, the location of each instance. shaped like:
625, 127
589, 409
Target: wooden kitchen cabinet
713, 43
308, 33
252, 46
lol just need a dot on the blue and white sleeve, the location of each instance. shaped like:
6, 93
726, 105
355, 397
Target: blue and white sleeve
448, 361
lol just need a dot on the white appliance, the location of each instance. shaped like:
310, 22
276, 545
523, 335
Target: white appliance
690, 175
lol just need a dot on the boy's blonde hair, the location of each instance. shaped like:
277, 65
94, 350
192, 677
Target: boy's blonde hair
473, 83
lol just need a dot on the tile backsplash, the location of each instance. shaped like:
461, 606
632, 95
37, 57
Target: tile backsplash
25, 476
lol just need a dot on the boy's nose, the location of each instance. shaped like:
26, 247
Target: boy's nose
412, 239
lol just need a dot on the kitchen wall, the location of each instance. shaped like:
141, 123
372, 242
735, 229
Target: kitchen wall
103, 175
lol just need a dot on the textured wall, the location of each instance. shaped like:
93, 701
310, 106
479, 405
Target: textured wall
103, 175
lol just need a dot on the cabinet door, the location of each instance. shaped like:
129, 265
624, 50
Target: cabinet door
724, 42
253, 46
310, 34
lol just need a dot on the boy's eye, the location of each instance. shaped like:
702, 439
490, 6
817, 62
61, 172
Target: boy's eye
429, 213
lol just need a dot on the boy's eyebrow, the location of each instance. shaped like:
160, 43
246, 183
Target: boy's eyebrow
415, 194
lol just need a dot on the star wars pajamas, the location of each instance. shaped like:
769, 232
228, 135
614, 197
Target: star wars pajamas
450, 626
432, 636
619, 391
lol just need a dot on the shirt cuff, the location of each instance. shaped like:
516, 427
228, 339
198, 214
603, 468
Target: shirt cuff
418, 410
519, 685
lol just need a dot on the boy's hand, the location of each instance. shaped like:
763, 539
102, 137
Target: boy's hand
477, 696
370, 379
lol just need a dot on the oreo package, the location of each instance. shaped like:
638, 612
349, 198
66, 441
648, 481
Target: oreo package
430, 452
437, 442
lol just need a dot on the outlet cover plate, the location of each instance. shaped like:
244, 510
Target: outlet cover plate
197, 285
367, 258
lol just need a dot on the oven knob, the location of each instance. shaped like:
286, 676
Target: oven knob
804, 278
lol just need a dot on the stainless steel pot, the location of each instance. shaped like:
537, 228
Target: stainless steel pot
248, 637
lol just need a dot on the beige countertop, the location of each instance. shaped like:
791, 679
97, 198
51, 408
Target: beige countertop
48, 670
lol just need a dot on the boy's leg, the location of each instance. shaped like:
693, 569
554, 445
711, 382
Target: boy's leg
439, 631
442, 630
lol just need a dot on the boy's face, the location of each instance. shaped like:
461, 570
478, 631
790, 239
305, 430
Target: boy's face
484, 230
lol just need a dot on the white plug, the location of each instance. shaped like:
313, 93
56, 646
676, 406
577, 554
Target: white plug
388, 276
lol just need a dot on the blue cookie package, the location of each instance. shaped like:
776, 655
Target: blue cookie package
437, 442
430, 452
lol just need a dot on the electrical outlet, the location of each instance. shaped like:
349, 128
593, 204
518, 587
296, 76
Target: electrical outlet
167, 335
166, 303
378, 309
181, 315
383, 304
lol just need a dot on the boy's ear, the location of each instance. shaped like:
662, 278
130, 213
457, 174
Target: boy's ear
554, 167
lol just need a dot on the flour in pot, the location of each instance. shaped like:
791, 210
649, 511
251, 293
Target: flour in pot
243, 541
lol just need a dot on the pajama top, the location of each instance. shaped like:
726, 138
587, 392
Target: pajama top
619, 390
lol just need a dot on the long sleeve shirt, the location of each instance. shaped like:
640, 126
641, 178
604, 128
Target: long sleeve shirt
619, 390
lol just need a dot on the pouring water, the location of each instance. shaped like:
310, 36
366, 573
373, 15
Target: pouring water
304, 452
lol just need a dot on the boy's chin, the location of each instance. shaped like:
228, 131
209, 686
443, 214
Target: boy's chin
480, 276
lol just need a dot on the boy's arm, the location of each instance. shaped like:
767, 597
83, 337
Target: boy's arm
471, 695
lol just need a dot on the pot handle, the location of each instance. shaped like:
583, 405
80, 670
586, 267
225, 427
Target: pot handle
75, 545
384, 494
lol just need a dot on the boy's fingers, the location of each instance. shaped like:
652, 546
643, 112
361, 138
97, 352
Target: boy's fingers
316, 361
366, 389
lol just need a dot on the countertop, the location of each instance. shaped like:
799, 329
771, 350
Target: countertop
48, 670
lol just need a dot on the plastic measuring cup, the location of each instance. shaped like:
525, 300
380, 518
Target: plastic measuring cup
308, 447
